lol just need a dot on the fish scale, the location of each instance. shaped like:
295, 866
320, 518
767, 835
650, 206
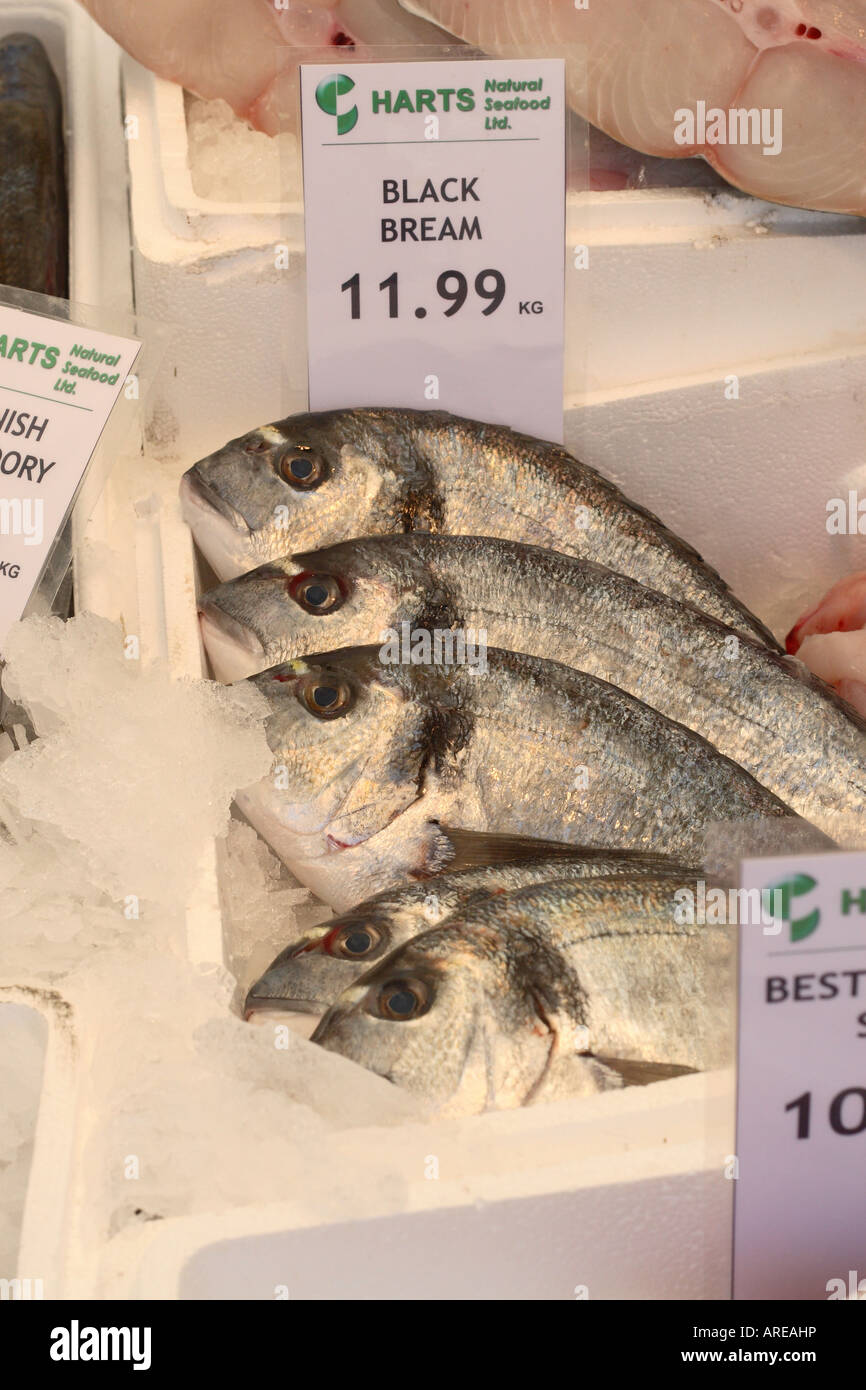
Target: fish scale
380, 471
552, 989
530, 747
758, 707
309, 973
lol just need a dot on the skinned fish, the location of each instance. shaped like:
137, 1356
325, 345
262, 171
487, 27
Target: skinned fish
34, 238
634, 65
528, 747
380, 471
560, 988
765, 711
311, 972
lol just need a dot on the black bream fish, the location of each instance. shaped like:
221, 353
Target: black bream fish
764, 710
309, 973
34, 236
526, 747
312, 480
551, 990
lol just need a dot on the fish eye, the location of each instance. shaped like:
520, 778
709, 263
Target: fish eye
327, 699
355, 941
301, 468
316, 593
401, 1000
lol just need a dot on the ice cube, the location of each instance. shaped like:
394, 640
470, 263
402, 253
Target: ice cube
229, 162
136, 768
260, 900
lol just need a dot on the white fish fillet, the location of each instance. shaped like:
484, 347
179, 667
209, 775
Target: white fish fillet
242, 51
633, 63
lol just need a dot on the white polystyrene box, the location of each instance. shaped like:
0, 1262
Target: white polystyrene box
209, 270
746, 479
621, 1196
630, 1211
623, 1193
87, 65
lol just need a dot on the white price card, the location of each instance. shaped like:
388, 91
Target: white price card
58, 384
800, 1191
435, 210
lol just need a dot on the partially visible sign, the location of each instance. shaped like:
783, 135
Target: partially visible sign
800, 1209
58, 384
434, 211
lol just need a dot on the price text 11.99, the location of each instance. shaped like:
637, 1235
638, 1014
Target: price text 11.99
451, 286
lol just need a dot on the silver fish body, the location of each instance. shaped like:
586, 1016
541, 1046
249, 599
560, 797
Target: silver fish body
528, 747
546, 991
340, 873
311, 480
309, 974
764, 710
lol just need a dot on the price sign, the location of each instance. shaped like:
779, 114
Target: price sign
434, 211
800, 1211
58, 384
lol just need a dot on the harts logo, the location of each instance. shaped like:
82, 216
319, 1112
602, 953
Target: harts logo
328, 92
784, 894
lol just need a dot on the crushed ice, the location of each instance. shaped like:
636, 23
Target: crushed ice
22, 1050
259, 898
106, 820
229, 162
133, 768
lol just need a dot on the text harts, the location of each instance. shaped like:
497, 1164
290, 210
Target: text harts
426, 99
44, 355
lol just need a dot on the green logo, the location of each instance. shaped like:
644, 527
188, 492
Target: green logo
787, 890
337, 84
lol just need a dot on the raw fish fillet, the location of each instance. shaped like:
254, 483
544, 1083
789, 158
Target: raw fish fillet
646, 59
831, 639
242, 50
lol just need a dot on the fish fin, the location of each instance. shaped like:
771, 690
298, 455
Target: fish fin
638, 1073
474, 849
574, 1074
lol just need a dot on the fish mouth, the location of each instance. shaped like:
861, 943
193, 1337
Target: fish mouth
321, 1027
196, 496
234, 650
263, 1003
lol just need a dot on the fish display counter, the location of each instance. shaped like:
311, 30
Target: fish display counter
352, 951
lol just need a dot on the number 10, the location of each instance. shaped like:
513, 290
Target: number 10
803, 1106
